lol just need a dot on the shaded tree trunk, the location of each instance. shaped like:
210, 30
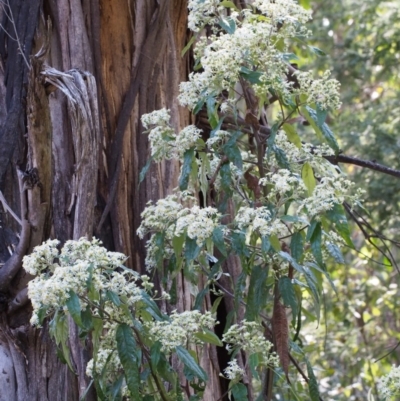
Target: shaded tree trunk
75, 79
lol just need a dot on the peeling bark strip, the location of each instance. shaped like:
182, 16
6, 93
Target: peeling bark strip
281, 335
81, 92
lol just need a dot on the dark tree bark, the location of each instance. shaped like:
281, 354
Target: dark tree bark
75, 78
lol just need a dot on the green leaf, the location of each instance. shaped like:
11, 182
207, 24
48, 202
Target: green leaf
239, 392
317, 51
152, 307
337, 216
238, 241
271, 139
200, 298
74, 308
227, 24
288, 294
257, 292
312, 383
307, 175
59, 329
252, 76
190, 363
232, 151
288, 258
321, 115
113, 297
188, 46
265, 244
313, 288
292, 135
212, 114
128, 355
177, 244
115, 389
87, 320
145, 169
228, 4
216, 304
186, 168
209, 337
311, 229
254, 361
321, 129
316, 240
218, 239
192, 250
155, 353
281, 157
297, 246
276, 244
199, 105
335, 252
226, 178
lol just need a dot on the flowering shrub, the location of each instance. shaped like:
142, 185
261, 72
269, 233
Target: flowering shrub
268, 199
389, 385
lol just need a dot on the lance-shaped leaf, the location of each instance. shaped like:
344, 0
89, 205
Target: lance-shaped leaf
190, 363
209, 337
337, 216
74, 308
239, 392
257, 293
297, 246
312, 383
307, 175
186, 169
128, 355
288, 294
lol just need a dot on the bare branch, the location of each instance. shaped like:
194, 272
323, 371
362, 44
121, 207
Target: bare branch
372, 165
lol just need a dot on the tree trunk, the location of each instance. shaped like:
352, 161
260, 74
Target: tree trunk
75, 79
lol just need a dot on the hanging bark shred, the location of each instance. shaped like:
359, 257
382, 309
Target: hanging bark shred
252, 183
281, 335
81, 92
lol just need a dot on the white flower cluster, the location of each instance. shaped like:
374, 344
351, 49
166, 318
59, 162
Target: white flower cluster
324, 91
164, 142
283, 10
284, 181
159, 217
218, 138
389, 385
198, 223
249, 337
169, 216
70, 270
250, 44
328, 192
42, 257
223, 59
181, 328
202, 12
260, 220
233, 371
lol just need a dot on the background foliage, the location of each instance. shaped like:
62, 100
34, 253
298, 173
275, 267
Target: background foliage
361, 40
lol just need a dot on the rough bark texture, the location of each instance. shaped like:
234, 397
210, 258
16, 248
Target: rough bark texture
69, 121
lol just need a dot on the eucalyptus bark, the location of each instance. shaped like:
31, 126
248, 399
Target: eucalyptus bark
70, 134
